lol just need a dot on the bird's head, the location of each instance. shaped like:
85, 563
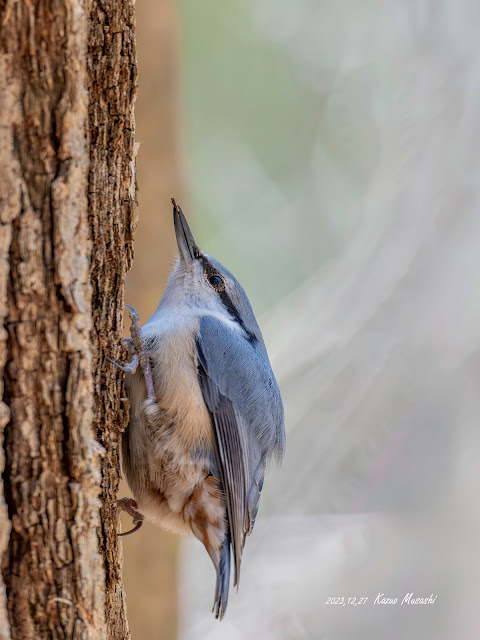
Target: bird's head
201, 282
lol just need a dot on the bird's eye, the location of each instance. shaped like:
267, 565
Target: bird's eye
217, 282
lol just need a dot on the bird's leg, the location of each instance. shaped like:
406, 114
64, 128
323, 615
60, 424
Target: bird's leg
140, 355
130, 506
140, 352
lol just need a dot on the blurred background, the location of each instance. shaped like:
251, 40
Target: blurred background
326, 151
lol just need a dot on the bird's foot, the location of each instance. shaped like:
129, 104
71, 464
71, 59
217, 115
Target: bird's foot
140, 355
130, 506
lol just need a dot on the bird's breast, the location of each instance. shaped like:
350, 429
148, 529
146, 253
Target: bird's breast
183, 415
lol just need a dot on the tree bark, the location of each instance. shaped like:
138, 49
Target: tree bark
67, 214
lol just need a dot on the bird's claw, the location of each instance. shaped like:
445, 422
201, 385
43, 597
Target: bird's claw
130, 506
129, 367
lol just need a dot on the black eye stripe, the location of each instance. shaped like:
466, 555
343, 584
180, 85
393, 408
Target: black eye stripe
232, 310
210, 271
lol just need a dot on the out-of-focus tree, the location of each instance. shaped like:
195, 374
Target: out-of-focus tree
67, 157
150, 570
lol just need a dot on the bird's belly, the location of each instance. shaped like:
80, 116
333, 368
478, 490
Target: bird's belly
167, 475
174, 479
168, 447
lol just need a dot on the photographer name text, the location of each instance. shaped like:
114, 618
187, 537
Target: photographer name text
383, 599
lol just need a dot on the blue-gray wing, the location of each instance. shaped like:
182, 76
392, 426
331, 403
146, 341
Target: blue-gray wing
242, 396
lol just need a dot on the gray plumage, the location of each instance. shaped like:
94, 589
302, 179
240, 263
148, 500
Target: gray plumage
195, 454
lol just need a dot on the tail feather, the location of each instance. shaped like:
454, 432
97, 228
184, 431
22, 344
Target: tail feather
223, 579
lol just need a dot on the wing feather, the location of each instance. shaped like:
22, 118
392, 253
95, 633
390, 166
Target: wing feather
242, 397
232, 458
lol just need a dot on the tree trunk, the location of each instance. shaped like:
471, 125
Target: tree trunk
67, 200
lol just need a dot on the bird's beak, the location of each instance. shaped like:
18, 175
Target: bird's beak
186, 244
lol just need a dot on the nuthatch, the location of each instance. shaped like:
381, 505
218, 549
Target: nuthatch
205, 411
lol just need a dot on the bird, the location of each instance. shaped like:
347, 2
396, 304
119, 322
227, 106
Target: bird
206, 414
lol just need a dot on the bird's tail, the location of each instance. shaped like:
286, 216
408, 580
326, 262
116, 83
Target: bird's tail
223, 579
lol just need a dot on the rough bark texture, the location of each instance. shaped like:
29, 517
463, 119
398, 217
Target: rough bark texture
113, 75
66, 204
